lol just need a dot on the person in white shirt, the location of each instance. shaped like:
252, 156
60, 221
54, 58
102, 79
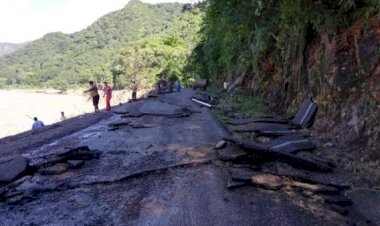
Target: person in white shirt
63, 117
37, 123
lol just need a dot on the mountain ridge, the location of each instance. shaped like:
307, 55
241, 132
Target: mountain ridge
73, 59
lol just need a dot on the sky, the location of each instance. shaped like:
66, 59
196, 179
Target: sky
27, 20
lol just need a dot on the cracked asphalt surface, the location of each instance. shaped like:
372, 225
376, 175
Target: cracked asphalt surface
167, 174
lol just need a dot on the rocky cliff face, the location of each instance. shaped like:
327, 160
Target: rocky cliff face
342, 74
348, 67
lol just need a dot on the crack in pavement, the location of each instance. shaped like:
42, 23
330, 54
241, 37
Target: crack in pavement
64, 186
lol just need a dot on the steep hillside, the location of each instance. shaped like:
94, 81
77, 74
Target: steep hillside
59, 59
159, 56
287, 50
9, 48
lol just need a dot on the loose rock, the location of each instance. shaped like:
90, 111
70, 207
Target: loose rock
221, 144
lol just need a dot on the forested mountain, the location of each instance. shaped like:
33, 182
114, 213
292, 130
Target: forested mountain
8, 48
61, 60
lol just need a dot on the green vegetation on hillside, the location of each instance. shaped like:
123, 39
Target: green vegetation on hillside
139, 41
159, 56
239, 36
286, 50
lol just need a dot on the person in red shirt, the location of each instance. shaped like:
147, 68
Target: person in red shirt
107, 90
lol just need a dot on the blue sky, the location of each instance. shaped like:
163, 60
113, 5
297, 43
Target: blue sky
27, 20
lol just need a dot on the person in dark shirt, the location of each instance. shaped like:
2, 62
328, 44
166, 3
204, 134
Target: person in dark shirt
134, 91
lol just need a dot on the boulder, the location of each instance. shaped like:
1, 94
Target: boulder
12, 168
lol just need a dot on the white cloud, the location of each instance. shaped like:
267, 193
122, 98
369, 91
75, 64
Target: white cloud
25, 20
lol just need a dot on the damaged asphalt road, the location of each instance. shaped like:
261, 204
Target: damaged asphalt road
162, 171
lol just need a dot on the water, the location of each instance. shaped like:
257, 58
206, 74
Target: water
18, 107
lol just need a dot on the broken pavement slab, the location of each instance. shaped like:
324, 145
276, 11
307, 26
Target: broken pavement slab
334, 179
314, 188
12, 168
62, 156
56, 169
232, 184
180, 115
79, 153
74, 164
231, 153
140, 125
160, 108
291, 144
274, 132
251, 127
337, 200
120, 112
134, 114
257, 119
117, 124
258, 179
367, 203
275, 182
267, 152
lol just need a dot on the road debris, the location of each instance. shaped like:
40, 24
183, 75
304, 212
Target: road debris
296, 161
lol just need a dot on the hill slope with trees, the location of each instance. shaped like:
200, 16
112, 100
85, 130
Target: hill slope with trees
66, 60
285, 51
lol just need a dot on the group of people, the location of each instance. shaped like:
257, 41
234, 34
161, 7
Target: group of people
107, 93
93, 90
39, 124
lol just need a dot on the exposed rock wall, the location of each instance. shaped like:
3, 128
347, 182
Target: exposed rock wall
341, 73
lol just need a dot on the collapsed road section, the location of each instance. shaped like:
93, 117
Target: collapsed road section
154, 162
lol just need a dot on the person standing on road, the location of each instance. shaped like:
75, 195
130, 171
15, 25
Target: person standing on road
134, 91
94, 94
107, 90
178, 86
37, 124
